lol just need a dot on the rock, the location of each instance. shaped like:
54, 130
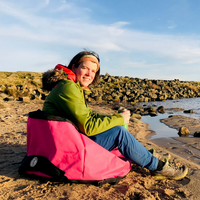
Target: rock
9, 98
117, 99
3, 95
153, 114
144, 113
134, 102
174, 116
137, 121
90, 99
183, 132
168, 192
146, 99
24, 99
43, 96
161, 109
197, 134
150, 109
98, 98
137, 116
124, 98
188, 111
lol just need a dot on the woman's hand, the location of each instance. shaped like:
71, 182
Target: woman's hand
126, 114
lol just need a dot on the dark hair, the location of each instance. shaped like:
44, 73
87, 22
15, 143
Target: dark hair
76, 59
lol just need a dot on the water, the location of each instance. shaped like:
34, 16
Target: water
160, 128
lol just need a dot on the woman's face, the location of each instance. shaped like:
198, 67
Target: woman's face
85, 72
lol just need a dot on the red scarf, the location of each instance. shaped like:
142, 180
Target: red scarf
71, 76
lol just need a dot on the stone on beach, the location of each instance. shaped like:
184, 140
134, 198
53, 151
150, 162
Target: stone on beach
183, 132
188, 111
197, 134
161, 109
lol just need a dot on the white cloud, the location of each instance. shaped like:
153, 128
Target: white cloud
108, 37
22, 60
21, 15
135, 49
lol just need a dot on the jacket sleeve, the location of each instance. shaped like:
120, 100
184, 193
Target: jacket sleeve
71, 103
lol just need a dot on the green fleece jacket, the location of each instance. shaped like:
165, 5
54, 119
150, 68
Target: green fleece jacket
67, 100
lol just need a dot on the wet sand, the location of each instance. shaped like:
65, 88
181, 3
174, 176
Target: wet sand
138, 184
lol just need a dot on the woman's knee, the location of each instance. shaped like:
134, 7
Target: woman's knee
121, 128
123, 132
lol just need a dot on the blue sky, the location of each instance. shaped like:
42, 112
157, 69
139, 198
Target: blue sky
154, 39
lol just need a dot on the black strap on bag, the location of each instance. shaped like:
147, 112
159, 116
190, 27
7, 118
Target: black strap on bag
41, 164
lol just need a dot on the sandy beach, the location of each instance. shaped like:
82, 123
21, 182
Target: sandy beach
138, 184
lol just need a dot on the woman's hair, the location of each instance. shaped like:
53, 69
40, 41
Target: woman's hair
75, 61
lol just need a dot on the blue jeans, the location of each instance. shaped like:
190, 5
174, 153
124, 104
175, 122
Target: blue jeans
127, 145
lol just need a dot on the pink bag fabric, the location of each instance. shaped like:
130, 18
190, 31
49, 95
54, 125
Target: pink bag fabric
74, 153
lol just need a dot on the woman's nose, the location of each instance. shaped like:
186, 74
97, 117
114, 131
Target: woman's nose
88, 72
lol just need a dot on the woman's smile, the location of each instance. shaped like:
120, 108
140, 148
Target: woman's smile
85, 73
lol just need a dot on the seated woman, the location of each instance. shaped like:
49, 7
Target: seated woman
66, 99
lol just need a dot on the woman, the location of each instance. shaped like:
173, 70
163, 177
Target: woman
66, 99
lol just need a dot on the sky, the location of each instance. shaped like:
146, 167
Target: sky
153, 39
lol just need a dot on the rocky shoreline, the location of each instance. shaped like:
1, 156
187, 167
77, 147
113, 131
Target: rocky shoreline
27, 86
117, 91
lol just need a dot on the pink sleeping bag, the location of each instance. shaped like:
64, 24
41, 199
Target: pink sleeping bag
74, 153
